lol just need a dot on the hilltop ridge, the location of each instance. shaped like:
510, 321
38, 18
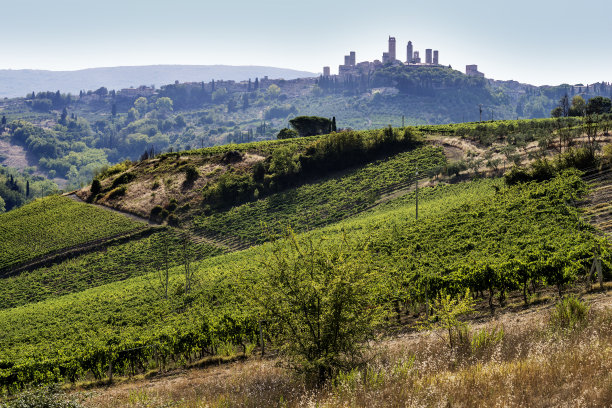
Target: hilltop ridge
17, 83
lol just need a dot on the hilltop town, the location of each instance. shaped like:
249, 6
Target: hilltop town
352, 68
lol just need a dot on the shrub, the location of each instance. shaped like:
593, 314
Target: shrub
173, 220
570, 313
156, 211
321, 302
287, 133
517, 175
123, 179
581, 158
191, 173
117, 192
96, 187
172, 205
116, 169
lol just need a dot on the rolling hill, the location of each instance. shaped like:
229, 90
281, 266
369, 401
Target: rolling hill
18, 83
125, 308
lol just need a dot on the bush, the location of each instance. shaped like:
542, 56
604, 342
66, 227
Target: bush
118, 192
116, 169
569, 314
322, 303
156, 211
287, 133
123, 179
191, 172
96, 187
581, 159
173, 220
517, 175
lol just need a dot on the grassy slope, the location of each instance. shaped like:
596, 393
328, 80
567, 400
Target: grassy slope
54, 223
131, 311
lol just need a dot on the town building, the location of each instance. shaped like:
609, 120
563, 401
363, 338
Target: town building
472, 70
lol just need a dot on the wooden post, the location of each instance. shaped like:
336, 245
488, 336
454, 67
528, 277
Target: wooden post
110, 370
261, 339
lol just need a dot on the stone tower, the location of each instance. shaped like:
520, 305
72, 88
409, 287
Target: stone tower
435, 57
428, 59
392, 49
409, 50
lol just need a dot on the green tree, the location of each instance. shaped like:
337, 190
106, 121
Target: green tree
132, 115
141, 104
164, 105
2, 205
63, 118
286, 133
311, 125
273, 91
578, 107
321, 301
598, 105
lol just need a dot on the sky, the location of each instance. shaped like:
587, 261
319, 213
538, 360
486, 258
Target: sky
532, 41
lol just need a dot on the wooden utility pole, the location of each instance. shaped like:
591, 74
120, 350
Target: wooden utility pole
417, 193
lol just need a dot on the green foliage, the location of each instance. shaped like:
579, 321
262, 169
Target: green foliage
321, 301
53, 223
191, 172
286, 133
319, 203
311, 125
124, 178
116, 169
96, 187
469, 236
445, 313
598, 105
569, 313
117, 192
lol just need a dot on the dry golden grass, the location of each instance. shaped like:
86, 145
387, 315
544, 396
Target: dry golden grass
159, 181
532, 366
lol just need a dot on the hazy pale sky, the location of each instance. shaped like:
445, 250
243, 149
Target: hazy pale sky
534, 41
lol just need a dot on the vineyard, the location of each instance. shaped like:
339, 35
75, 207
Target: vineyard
480, 235
115, 262
321, 203
53, 224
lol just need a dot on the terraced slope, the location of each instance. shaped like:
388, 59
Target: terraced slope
54, 224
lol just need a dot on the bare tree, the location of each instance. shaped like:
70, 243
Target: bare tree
187, 258
161, 245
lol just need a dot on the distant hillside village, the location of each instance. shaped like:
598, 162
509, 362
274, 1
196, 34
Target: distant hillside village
351, 68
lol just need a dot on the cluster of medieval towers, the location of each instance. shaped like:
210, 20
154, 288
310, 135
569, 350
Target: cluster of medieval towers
432, 57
